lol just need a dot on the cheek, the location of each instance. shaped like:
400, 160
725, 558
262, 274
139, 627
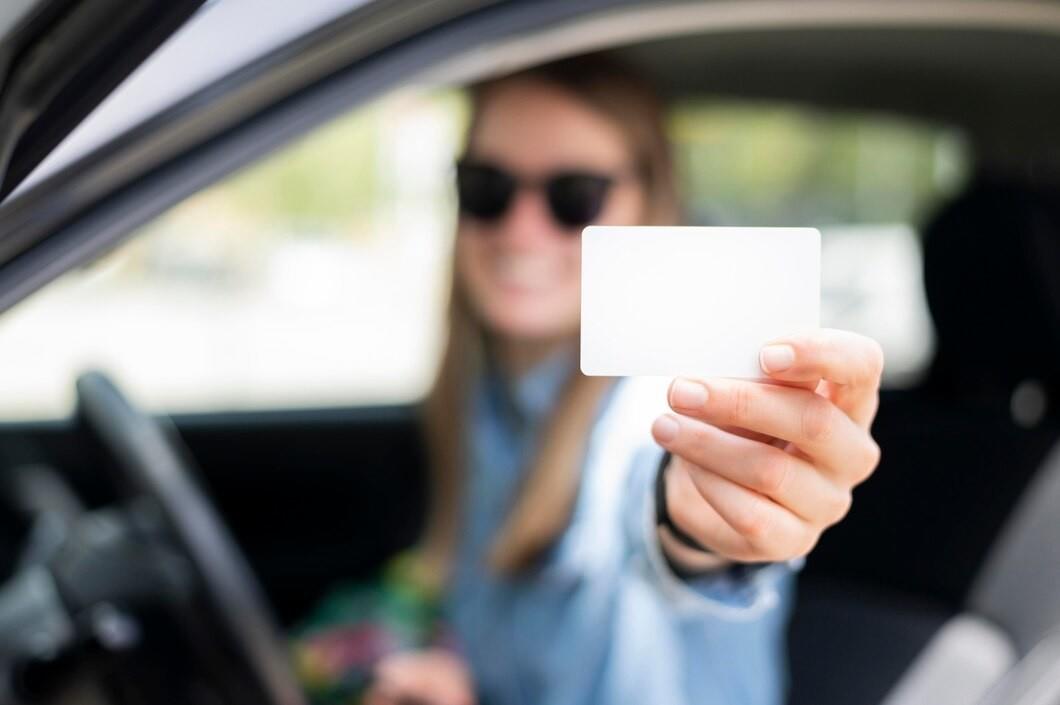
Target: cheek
572, 258
516, 311
626, 206
473, 253
467, 255
556, 311
564, 299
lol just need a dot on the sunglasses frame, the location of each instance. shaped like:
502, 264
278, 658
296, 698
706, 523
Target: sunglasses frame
544, 184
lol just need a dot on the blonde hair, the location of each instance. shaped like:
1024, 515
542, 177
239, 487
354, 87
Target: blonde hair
546, 498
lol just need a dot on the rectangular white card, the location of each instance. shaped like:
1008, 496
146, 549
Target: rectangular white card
694, 301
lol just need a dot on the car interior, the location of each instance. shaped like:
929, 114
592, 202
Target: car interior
966, 452
939, 587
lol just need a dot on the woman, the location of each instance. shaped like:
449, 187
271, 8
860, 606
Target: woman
579, 563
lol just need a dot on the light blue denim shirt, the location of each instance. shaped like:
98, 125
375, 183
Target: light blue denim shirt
603, 620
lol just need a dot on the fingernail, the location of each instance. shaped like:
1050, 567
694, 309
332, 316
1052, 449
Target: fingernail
777, 358
665, 429
687, 394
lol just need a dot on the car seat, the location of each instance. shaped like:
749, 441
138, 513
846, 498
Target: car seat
916, 582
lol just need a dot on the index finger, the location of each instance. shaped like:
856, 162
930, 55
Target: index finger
851, 364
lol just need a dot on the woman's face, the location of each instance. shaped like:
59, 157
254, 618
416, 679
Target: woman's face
522, 270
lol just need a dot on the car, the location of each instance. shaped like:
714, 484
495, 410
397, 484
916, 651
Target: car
240, 209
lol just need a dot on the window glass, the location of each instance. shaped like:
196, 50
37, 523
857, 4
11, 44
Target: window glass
314, 277
867, 181
318, 275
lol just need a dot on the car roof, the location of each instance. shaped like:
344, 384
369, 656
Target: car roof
995, 82
990, 67
219, 40
978, 64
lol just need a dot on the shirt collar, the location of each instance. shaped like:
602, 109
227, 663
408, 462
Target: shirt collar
532, 395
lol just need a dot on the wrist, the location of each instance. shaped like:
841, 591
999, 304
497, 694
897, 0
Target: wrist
685, 556
686, 561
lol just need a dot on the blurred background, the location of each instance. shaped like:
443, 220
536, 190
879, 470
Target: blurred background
258, 291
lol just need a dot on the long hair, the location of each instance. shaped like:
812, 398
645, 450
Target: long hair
549, 488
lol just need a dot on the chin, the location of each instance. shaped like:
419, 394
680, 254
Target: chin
531, 326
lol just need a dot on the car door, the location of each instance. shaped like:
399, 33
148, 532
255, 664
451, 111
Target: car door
316, 489
59, 59
314, 492
287, 319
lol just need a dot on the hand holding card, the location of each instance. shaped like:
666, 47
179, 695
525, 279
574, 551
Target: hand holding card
759, 470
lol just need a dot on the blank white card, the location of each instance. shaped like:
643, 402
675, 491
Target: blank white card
694, 301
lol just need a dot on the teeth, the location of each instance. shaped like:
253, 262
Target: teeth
525, 271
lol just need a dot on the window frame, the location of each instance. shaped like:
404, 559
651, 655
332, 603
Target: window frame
87, 208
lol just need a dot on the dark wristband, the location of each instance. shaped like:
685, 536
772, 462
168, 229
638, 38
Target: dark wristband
740, 571
662, 512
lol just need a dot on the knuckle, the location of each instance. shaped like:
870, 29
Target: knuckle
820, 347
870, 461
741, 404
807, 544
812, 341
772, 473
754, 524
874, 453
868, 366
839, 506
818, 419
873, 404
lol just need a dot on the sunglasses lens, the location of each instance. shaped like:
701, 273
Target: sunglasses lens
577, 199
483, 191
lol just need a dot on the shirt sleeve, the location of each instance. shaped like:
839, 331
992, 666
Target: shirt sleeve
661, 639
738, 592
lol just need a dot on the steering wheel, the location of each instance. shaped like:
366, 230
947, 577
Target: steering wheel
156, 467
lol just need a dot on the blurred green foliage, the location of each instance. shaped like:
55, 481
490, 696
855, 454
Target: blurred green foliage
765, 164
328, 176
740, 163
333, 177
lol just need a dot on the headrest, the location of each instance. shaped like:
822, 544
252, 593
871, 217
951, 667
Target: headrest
992, 277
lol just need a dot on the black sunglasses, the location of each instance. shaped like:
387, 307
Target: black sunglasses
575, 198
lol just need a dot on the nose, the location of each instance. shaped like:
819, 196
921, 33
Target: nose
528, 219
